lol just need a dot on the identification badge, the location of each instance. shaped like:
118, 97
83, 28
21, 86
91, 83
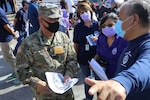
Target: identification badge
87, 47
58, 50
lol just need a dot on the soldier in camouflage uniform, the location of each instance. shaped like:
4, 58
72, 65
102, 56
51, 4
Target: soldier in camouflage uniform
47, 50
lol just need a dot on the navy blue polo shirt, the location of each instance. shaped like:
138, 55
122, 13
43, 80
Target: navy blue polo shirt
80, 33
134, 69
110, 54
22, 19
5, 36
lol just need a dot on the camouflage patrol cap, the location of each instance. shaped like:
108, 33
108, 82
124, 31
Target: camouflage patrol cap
50, 10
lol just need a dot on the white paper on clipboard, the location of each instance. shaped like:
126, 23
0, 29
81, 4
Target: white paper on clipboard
98, 70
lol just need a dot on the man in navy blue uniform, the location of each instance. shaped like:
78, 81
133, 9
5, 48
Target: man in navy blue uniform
8, 40
132, 80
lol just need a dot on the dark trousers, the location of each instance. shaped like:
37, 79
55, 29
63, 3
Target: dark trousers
86, 73
11, 5
4, 2
22, 36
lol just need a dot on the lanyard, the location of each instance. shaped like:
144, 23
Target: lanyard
52, 39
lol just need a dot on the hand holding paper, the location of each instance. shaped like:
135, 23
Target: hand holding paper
98, 70
56, 82
89, 39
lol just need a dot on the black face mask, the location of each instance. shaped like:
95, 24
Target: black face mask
53, 27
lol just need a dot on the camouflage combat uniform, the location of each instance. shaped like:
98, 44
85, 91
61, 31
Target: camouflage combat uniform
36, 56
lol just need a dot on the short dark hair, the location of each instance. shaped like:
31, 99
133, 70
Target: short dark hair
23, 3
107, 16
139, 7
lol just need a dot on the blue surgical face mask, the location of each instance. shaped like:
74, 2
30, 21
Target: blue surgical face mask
119, 31
107, 4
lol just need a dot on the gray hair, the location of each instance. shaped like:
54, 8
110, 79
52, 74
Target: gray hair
139, 7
